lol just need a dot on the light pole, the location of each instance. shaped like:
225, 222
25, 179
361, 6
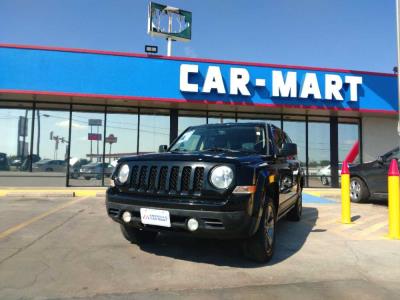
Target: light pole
169, 39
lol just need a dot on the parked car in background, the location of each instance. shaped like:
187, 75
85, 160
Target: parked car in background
75, 166
49, 165
4, 165
16, 163
95, 170
325, 174
25, 165
370, 179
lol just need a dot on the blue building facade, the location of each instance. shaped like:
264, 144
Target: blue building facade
75, 107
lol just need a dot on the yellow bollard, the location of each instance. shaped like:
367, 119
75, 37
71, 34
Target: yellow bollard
346, 213
394, 200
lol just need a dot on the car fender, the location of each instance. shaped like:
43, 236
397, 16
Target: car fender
259, 198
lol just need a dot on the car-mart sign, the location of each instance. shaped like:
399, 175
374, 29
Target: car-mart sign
98, 74
334, 85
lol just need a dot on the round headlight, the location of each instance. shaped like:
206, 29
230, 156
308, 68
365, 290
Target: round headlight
123, 174
221, 177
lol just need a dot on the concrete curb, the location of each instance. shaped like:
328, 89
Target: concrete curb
51, 193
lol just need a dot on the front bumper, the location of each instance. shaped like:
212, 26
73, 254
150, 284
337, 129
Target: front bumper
213, 222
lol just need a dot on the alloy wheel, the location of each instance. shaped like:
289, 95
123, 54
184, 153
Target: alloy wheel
269, 227
355, 190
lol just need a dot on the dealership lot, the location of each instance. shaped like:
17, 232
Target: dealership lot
67, 248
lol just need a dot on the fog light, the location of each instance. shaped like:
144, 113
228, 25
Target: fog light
126, 216
192, 224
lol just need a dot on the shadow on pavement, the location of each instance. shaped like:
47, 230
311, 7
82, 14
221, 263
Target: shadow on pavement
290, 238
377, 201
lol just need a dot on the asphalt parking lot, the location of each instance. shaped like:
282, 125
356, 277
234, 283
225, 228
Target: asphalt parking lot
67, 248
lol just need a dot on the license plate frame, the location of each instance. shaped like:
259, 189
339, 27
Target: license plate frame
156, 217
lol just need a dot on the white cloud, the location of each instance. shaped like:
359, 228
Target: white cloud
65, 124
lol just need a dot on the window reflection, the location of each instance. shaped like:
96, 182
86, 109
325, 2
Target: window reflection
186, 121
50, 144
154, 131
15, 142
296, 130
319, 170
347, 137
87, 130
121, 136
221, 117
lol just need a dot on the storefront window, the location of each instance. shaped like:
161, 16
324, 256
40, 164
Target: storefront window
221, 117
154, 130
296, 130
87, 137
190, 118
319, 170
270, 119
15, 145
348, 137
50, 144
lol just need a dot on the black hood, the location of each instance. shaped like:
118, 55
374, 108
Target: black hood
206, 156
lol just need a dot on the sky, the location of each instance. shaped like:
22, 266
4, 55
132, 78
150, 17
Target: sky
350, 34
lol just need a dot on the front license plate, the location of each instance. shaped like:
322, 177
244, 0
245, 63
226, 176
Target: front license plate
155, 217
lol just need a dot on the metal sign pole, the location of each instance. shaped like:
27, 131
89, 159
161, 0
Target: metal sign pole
169, 40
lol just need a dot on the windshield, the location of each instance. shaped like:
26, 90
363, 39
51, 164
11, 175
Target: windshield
222, 138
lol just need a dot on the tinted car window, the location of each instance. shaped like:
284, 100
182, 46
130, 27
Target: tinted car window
278, 137
235, 137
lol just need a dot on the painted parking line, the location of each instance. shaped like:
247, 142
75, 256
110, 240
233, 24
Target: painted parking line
22, 225
308, 198
368, 225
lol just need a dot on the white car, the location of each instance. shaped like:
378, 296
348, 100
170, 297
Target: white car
325, 174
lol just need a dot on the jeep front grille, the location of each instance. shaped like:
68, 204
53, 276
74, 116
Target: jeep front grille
168, 179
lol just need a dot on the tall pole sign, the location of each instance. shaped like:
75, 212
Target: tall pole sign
94, 136
169, 22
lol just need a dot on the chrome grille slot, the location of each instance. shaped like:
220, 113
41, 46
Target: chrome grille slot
185, 180
167, 178
134, 177
173, 179
162, 180
152, 178
142, 178
198, 179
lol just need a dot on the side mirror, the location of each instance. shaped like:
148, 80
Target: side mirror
162, 148
380, 160
288, 149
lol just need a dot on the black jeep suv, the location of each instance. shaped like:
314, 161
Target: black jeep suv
222, 181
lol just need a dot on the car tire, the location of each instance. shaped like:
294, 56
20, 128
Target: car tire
87, 178
260, 247
138, 236
294, 214
324, 180
358, 190
49, 170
